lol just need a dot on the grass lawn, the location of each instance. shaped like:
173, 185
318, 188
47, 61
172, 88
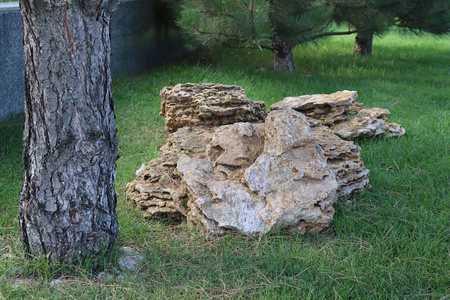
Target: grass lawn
390, 242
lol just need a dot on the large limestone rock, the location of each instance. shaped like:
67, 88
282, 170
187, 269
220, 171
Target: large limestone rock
256, 173
208, 104
159, 189
345, 117
287, 185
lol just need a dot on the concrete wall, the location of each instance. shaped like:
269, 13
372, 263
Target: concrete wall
11, 60
137, 41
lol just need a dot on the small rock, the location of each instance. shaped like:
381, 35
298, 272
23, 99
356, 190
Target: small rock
104, 276
139, 171
21, 282
129, 259
56, 282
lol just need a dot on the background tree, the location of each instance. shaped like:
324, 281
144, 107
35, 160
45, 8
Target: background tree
67, 202
368, 17
432, 16
276, 25
376, 17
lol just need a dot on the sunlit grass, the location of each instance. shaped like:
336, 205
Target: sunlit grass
390, 242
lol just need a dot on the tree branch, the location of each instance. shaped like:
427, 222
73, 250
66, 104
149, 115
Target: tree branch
315, 37
215, 33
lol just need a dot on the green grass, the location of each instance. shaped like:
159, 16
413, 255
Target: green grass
390, 242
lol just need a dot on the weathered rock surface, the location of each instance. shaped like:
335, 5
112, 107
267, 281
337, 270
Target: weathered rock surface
208, 104
288, 185
235, 147
251, 176
158, 189
345, 117
344, 159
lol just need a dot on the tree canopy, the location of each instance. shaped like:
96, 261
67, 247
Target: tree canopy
280, 25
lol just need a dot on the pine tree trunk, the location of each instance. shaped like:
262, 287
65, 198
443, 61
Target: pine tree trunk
67, 202
363, 43
282, 58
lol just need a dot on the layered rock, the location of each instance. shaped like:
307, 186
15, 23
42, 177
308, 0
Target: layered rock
257, 173
287, 184
159, 190
344, 159
208, 104
340, 112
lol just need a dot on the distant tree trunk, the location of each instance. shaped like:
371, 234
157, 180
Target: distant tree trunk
67, 202
363, 43
282, 57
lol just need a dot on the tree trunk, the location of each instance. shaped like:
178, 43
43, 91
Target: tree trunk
282, 58
363, 43
67, 202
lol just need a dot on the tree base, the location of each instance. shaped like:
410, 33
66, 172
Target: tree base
282, 58
363, 44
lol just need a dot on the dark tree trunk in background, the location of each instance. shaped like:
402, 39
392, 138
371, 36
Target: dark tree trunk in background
67, 202
363, 43
282, 58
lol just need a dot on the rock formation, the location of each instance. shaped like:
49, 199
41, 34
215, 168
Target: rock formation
344, 159
208, 104
159, 190
340, 112
283, 182
281, 170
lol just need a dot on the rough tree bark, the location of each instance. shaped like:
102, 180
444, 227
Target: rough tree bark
363, 43
67, 202
282, 57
